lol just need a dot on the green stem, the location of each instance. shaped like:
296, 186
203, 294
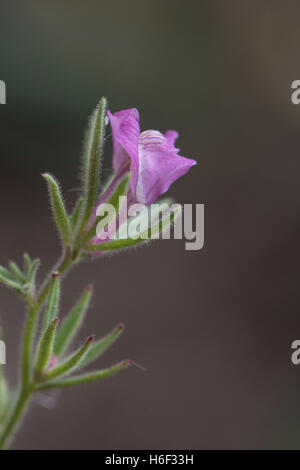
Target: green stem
27, 387
62, 268
15, 419
29, 334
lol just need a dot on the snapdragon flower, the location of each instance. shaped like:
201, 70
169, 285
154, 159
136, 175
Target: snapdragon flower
150, 157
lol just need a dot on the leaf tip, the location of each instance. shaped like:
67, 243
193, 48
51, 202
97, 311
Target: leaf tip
120, 327
90, 340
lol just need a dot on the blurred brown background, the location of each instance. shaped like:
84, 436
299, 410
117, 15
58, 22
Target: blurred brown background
213, 328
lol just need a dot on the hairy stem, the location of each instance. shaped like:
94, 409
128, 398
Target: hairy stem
62, 268
28, 340
27, 387
15, 418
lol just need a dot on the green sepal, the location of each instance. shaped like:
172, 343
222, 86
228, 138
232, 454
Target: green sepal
71, 363
53, 300
91, 159
58, 209
102, 345
45, 348
119, 244
74, 217
121, 190
72, 323
87, 378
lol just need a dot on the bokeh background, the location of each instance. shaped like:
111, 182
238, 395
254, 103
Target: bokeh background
213, 328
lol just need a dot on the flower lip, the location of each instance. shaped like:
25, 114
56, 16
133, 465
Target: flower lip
153, 159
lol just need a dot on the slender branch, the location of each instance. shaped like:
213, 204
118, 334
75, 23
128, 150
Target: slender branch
29, 334
27, 387
35, 302
62, 269
15, 419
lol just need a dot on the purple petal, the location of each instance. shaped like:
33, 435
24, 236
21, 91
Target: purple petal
125, 131
171, 136
159, 165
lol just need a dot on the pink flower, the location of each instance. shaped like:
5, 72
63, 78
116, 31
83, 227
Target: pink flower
150, 156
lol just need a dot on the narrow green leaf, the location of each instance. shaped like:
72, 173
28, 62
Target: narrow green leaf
12, 285
114, 201
58, 208
153, 231
33, 270
4, 273
115, 245
71, 363
91, 159
45, 348
27, 265
72, 323
74, 217
17, 272
53, 300
87, 378
102, 345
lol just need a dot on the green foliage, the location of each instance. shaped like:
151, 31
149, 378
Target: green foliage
102, 345
45, 348
87, 378
158, 228
71, 363
76, 231
17, 272
114, 201
27, 265
72, 323
53, 300
91, 159
5, 274
74, 217
33, 271
21, 282
58, 209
